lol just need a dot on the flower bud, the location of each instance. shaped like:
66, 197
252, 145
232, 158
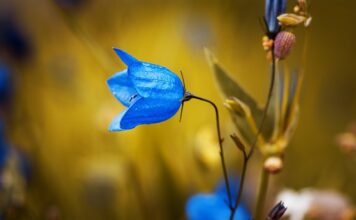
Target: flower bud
290, 20
273, 164
283, 44
277, 211
236, 106
273, 9
238, 143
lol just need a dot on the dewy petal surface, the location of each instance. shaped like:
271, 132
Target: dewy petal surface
122, 88
148, 111
154, 81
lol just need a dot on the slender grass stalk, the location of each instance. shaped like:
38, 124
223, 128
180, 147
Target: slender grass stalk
268, 102
241, 186
248, 156
262, 194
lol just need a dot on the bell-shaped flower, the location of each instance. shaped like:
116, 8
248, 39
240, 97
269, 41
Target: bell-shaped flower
6, 85
273, 9
150, 92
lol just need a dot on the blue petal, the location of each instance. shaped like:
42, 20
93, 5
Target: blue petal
122, 88
283, 7
145, 111
212, 207
116, 123
273, 9
268, 9
154, 81
125, 57
273, 23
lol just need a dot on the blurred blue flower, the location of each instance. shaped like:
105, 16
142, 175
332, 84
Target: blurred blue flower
273, 9
13, 38
151, 92
5, 84
204, 206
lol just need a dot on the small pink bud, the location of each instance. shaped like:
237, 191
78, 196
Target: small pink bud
283, 44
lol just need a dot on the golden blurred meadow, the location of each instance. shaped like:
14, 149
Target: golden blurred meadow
61, 106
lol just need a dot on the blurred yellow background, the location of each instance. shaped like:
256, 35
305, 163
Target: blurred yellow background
62, 106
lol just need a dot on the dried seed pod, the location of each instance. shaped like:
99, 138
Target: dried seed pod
283, 44
273, 165
290, 20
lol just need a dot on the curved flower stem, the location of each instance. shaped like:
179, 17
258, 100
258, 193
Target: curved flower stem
222, 157
250, 153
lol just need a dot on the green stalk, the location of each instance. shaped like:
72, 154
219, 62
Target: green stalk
262, 194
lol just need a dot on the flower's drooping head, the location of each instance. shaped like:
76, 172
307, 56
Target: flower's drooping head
273, 9
151, 92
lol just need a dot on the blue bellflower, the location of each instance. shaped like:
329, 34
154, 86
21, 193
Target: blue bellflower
150, 92
273, 9
13, 39
5, 84
204, 206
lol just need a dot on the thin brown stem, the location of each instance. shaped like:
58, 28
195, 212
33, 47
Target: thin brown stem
241, 186
249, 155
269, 96
222, 157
